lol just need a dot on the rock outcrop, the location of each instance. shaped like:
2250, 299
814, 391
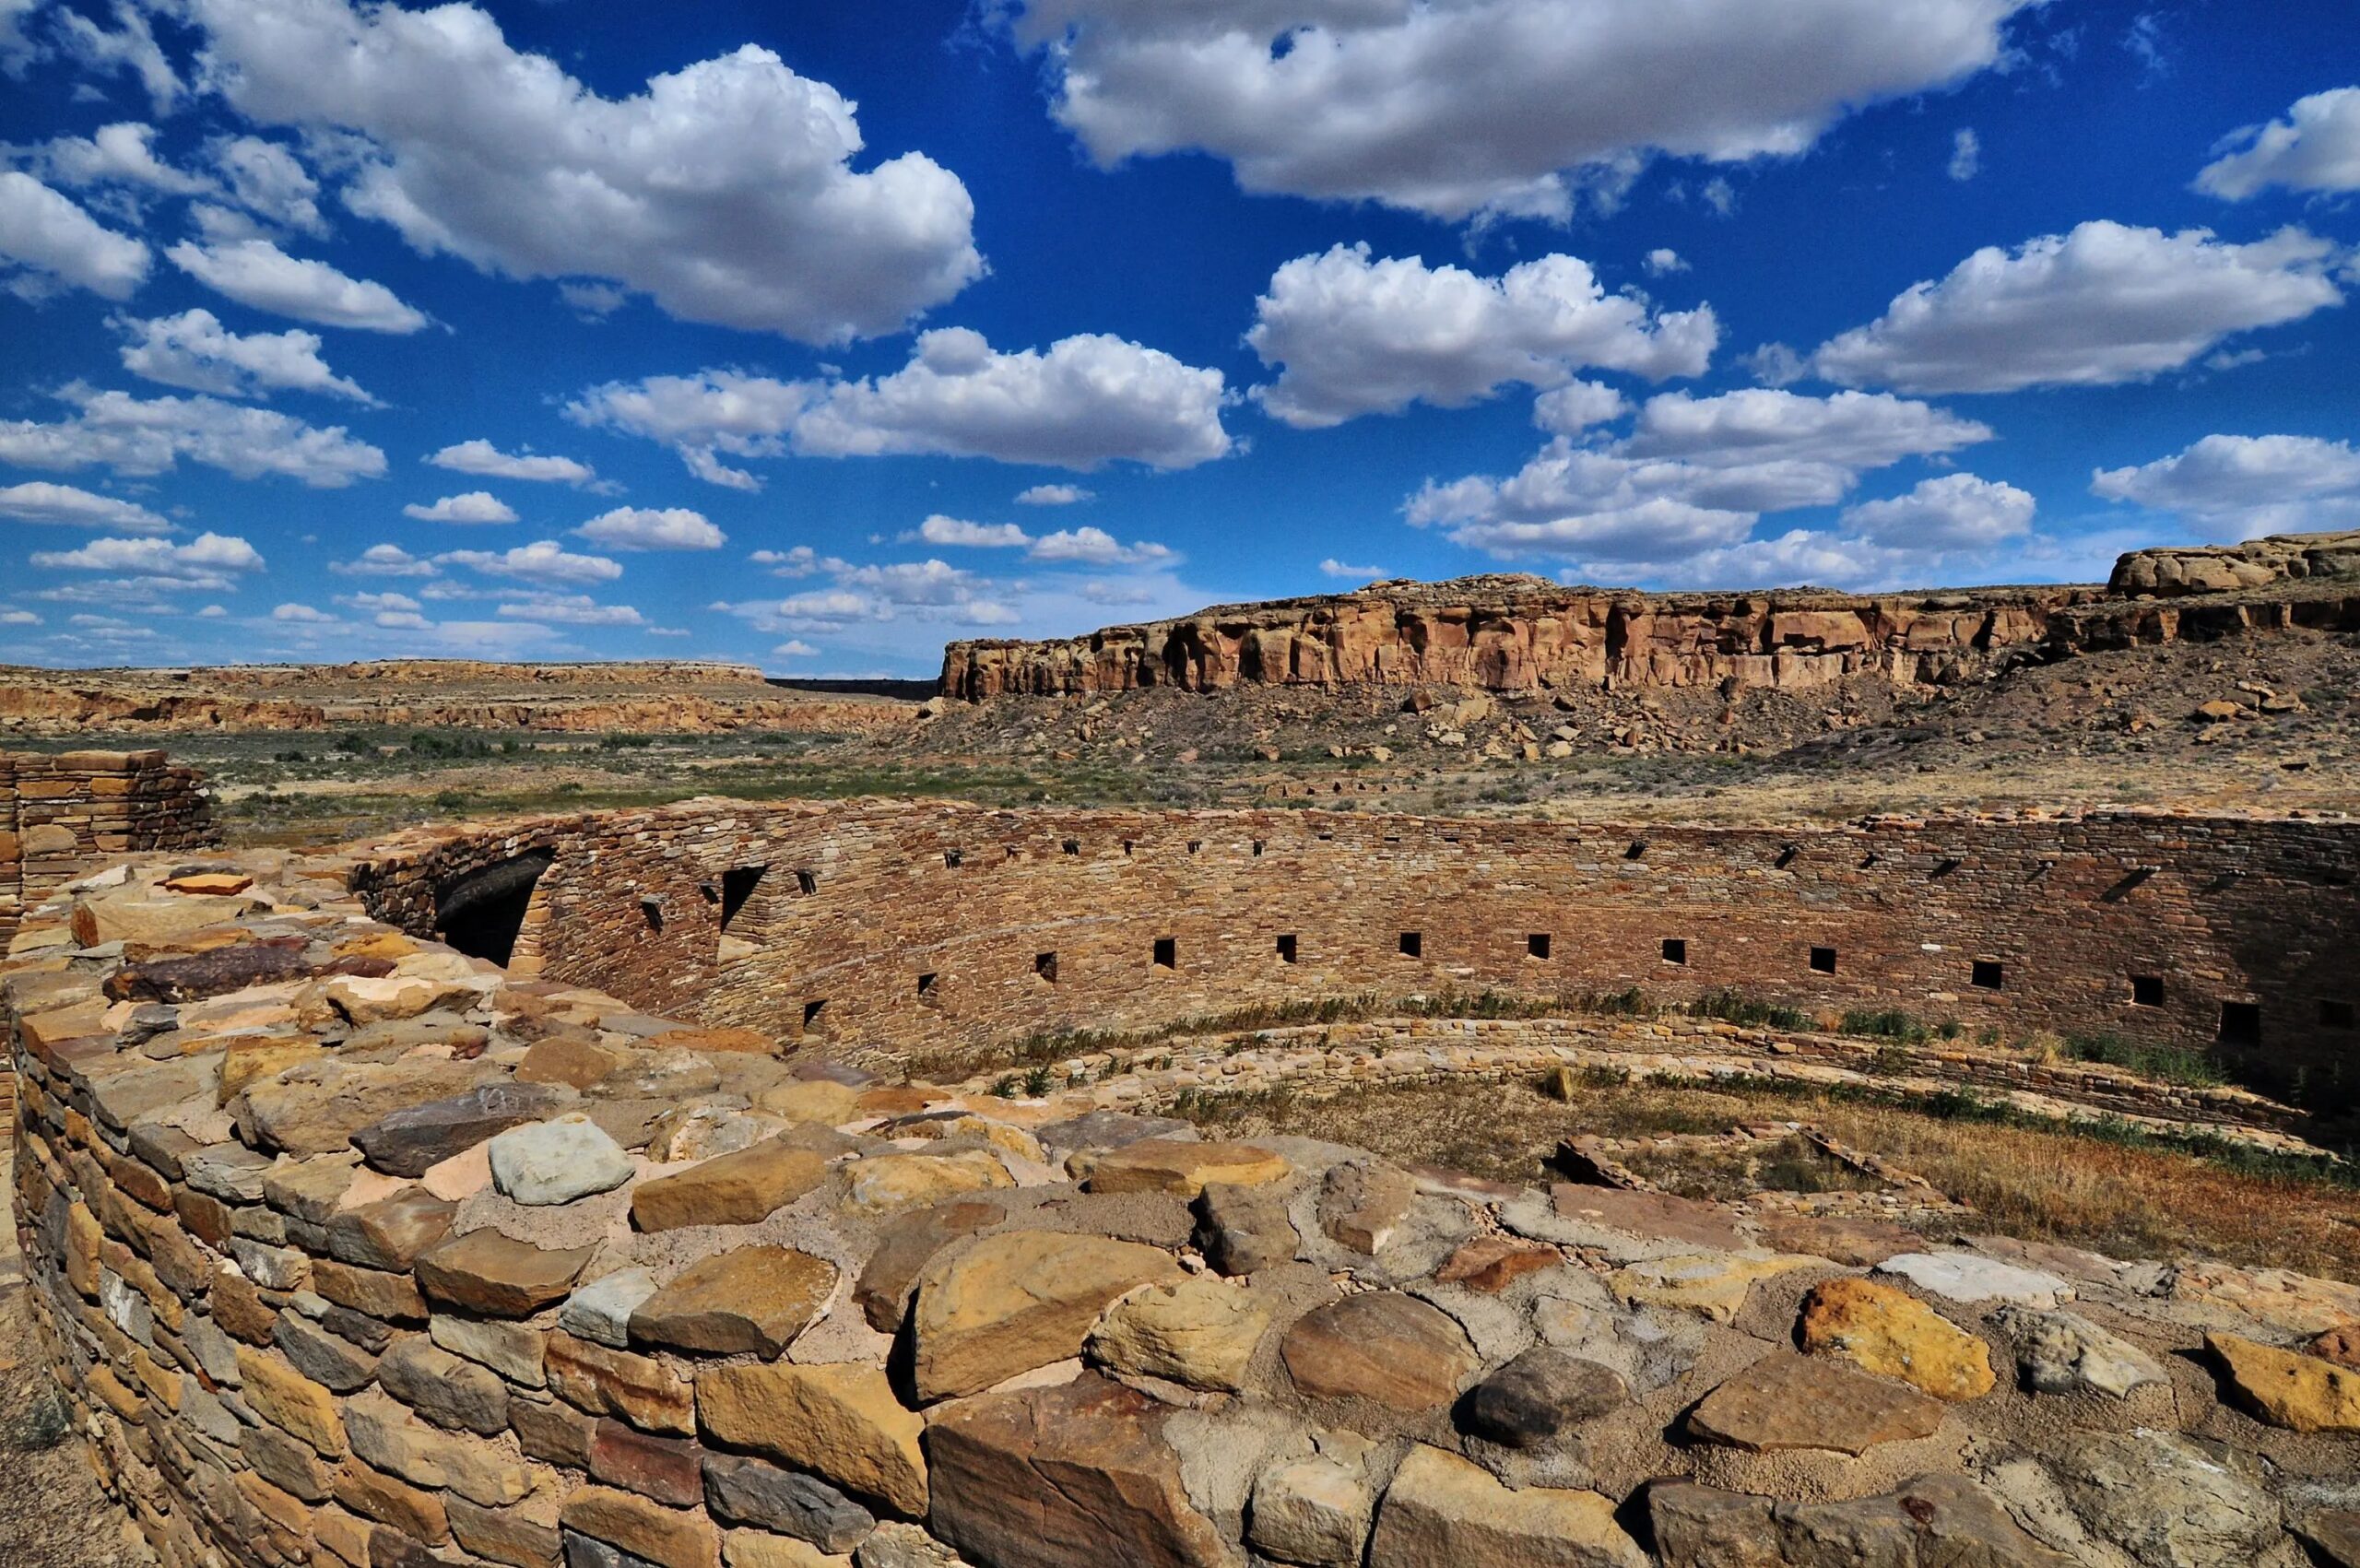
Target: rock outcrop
2173, 570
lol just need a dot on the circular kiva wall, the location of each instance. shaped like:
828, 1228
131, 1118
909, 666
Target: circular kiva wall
883, 928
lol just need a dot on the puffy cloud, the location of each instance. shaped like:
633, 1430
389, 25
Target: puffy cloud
131, 48
2235, 486
475, 506
1054, 495
569, 610
384, 560
544, 560
133, 435
123, 154
1576, 407
270, 182
1455, 107
941, 530
18, 618
726, 190
41, 501
1663, 261
1950, 512
194, 351
47, 242
1693, 474
210, 560
1083, 403
484, 460
257, 273
302, 614
796, 648
1095, 546
392, 612
2316, 147
1967, 155
1356, 336
928, 590
1334, 568
645, 528
2103, 304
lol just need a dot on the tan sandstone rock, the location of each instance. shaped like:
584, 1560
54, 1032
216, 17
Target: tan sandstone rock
1198, 1331
1887, 1331
2287, 1388
1444, 1512
1017, 1301
743, 1188
842, 1423
1171, 1165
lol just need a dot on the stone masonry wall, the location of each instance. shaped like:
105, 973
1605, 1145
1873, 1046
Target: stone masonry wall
60, 814
348, 1251
881, 928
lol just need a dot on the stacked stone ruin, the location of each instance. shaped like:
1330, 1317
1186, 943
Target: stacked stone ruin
350, 1248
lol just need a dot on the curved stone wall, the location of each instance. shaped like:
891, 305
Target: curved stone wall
883, 927
348, 1249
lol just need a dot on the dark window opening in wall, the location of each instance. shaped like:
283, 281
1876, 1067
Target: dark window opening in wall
813, 1011
951, 857
1945, 865
481, 912
1286, 948
1257, 848
806, 882
2241, 1024
2128, 884
1986, 975
1014, 853
1073, 846
1045, 966
925, 987
1638, 847
2147, 990
1675, 950
1130, 846
737, 885
1537, 945
1167, 953
651, 910
1823, 961
1195, 845
1868, 860
2335, 1015
1413, 944
1786, 856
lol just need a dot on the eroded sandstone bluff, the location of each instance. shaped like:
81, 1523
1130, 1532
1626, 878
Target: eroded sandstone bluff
588, 698
1514, 632
351, 1250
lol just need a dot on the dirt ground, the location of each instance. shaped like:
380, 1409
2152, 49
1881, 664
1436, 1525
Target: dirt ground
52, 1513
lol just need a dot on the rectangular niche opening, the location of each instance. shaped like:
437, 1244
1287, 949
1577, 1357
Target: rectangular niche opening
1638, 848
1287, 948
1073, 846
1413, 944
737, 885
2241, 1024
1536, 945
1258, 847
2336, 1015
1823, 961
925, 987
814, 1011
2147, 990
806, 882
951, 857
1167, 953
1985, 975
651, 910
1045, 966
1675, 950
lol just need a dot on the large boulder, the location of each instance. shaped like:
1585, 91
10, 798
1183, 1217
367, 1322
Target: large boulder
1017, 1300
1443, 1512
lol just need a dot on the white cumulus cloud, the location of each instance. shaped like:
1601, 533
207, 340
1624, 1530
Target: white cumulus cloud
1351, 336
486, 461
270, 182
210, 560
384, 560
1054, 495
41, 501
543, 561
941, 530
726, 190
1095, 546
1334, 568
257, 273
134, 435
47, 242
647, 528
2237, 486
195, 351
2316, 147
123, 153
475, 506
568, 609
1967, 155
1457, 107
302, 614
1951, 511
2103, 304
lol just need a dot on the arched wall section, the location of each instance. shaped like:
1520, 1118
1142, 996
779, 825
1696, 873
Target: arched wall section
887, 928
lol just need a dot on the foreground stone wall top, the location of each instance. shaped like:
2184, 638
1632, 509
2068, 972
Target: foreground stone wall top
351, 1249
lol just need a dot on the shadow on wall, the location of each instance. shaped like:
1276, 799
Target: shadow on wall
482, 912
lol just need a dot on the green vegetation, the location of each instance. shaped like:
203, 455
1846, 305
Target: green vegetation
2171, 1063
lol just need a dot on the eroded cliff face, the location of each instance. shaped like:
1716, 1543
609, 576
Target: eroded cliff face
1518, 633
672, 697
1521, 633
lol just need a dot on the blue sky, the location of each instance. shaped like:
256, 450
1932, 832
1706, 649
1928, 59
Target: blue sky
817, 336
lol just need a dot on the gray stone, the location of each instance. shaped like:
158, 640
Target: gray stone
412, 1140
896, 1545
274, 1268
2167, 1500
589, 1552
511, 1349
334, 1362
601, 1309
748, 1492
1108, 1129
2060, 1352
230, 1171
1242, 1228
1538, 1396
1932, 1522
445, 1390
1972, 1277
557, 1161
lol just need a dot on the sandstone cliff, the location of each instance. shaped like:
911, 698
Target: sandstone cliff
1514, 632
666, 696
